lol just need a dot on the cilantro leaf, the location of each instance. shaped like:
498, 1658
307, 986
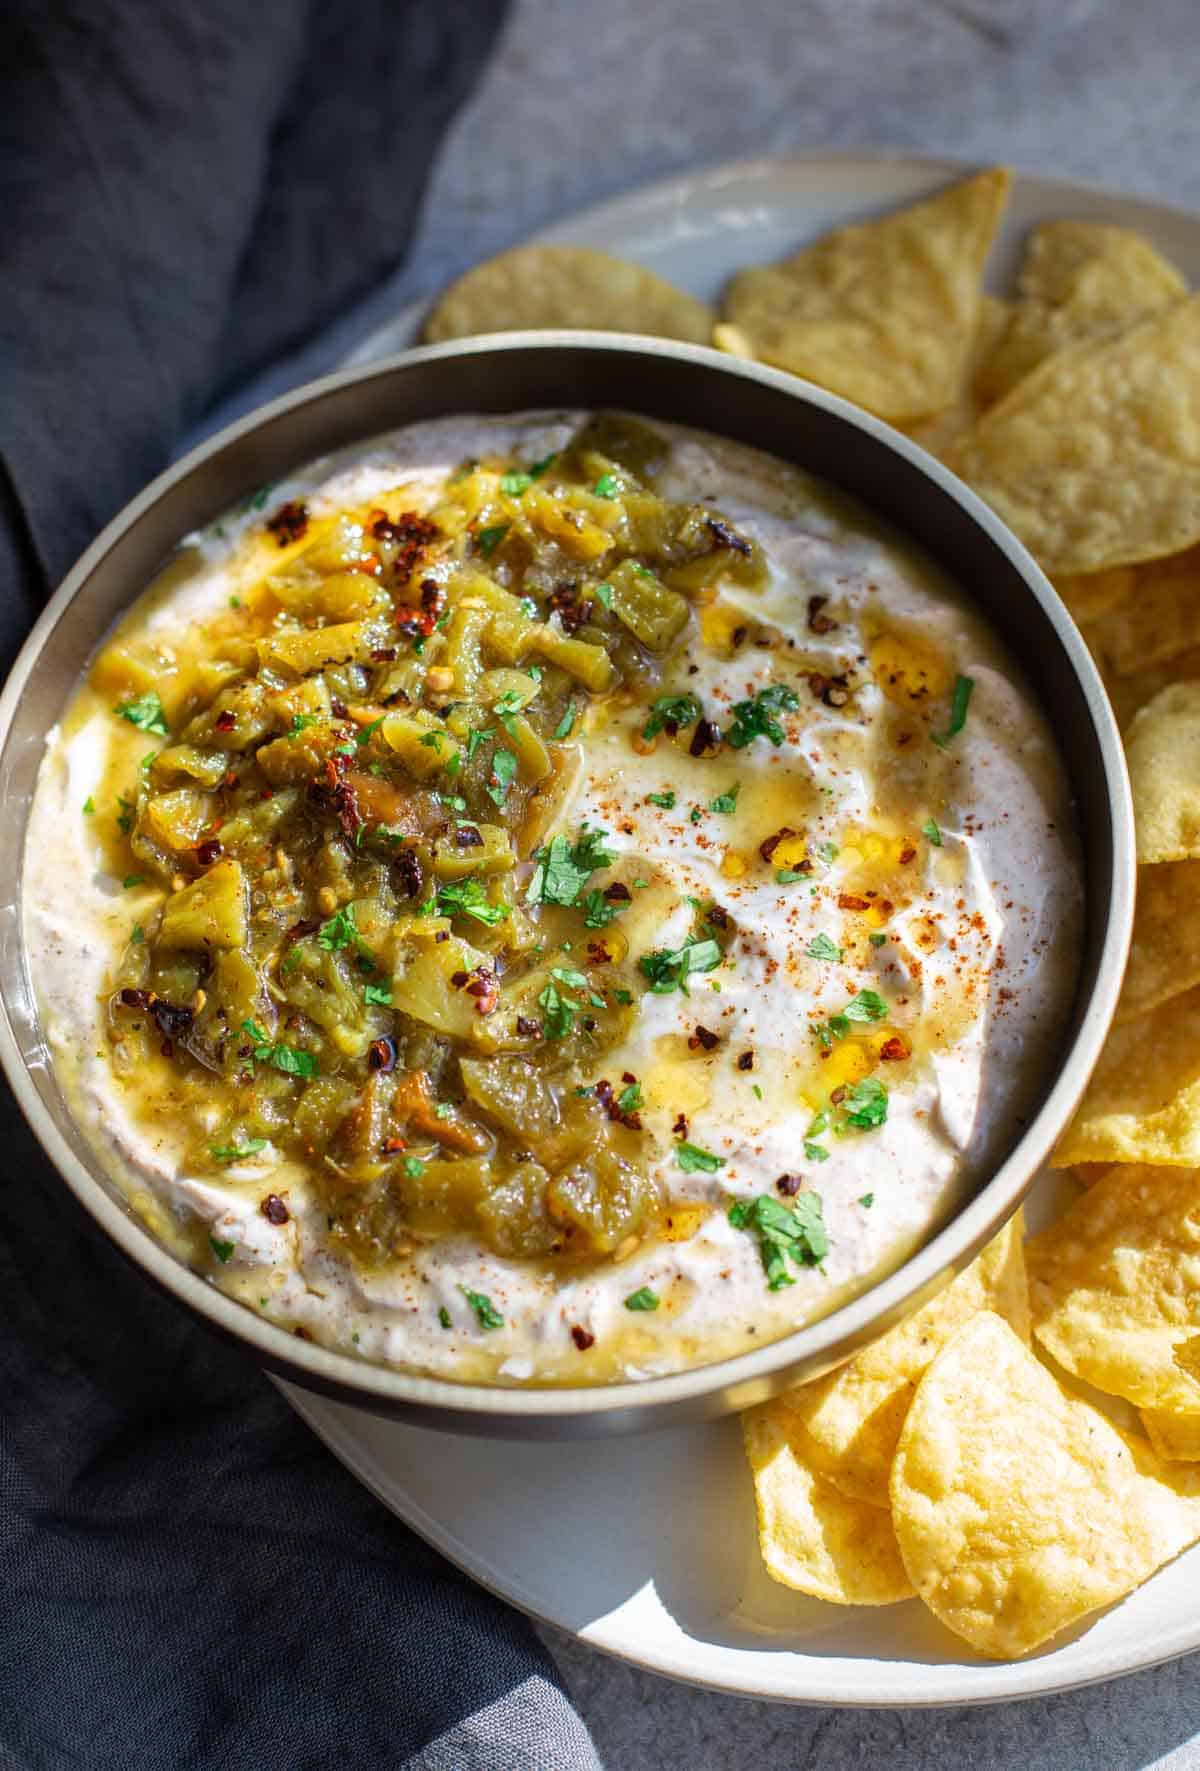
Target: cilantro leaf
566, 724
668, 969
341, 931
378, 995
930, 829
607, 486
558, 1012
878, 938
564, 867
664, 800
235, 1152
693, 1160
145, 712
671, 712
513, 484
368, 732
489, 539
795, 1231
963, 686
222, 1250
467, 897
89, 806
288, 1059
504, 768
598, 913
816, 1152
444, 1316
630, 1099
754, 719
642, 1299
868, 1005
821, 947
414, 1168
867, 1104
485, 1310
726, 802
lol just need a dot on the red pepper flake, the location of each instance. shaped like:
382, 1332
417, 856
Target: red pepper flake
483, 988
834, 691
411, 535
289, 522
851, 901
383, 654
382, 1055
702, 1037
466, 836
893, 1049
717, 916
392, 1146
528, 1028
458, 979
142, 999
707, 738
616, 893
907, 855
225, 720
208, 852
583, 1340
789, 1185
302, 1333
598, 953
564, 601
767, 847
274, 1210
745, 1061
406, 875
680, 1127
838, 1096
817, 622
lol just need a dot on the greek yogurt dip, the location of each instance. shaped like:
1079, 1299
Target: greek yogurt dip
550, 899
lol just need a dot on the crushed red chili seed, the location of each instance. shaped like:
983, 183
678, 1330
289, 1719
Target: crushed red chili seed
893, 1049
274, 1210
289, 522
583, 1340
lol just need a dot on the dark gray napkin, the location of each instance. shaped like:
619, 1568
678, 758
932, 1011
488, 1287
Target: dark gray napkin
187, 1579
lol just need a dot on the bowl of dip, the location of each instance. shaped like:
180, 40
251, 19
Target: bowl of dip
556, 884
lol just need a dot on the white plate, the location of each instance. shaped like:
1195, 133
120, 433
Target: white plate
645, 1547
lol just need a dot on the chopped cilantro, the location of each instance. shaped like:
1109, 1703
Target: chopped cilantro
133, 879
754, 719
566, 724
414, 1167
146, 712
671, 710
867, 1104
558, 1014
513, 484
726, 802
479, 736
693, 1160
796, 1230
756, 1091
868, 1005
624, 997
958, 711
607, 486
235, 1152
665, 800
604, 594
642, 1299
827, 852
89, 806
504, 768
539, 467
490, 539
507, 708
816, 1152
444, 1316
564, 868
820, 1123
669, 969
788, 875
867, 1199
597, 911
630, 1098
378, 995
877, 938
286, 1058
222, 1250
528, 607
467, 897
368, 732
341, 930
300, 723
930, 829
821, 947
137, 934
485, 1310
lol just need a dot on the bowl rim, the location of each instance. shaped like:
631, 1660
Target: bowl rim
743, 1378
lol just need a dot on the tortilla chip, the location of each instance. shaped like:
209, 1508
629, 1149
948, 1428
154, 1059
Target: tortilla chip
1162, 749
852, 1418
566, 286
1112, 1285
936, 432
1175, 1437
1094, 459
1143, 1102
1088, 1173
1079, 280
812, 1537
1089, 595
883, 312
1160, 620
1129, 693
1187, 1357
1164, 958
1020, 1508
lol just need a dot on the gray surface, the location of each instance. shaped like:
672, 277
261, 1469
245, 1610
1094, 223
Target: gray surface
586, 100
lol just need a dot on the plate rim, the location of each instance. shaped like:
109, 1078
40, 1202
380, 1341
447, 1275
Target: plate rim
964, 1686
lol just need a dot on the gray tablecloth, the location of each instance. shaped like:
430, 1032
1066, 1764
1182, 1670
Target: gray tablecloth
585, 101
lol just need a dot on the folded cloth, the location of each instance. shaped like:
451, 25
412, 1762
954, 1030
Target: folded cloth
187, 1579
